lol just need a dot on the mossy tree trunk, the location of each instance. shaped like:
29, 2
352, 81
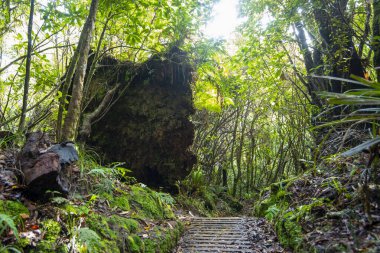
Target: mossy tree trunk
73, 113
376, 37
27, 69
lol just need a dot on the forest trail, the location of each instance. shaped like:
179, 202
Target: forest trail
228, 234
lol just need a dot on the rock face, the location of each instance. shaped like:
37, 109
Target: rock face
148, 127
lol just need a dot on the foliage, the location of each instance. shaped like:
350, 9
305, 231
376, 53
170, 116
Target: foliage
8, 248
6, 222
364, 102
13, 209
272, 212
89, 239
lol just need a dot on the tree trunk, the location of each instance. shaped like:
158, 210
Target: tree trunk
65, 89
232, 155
239, 152
73, 113
27, 69
376, 37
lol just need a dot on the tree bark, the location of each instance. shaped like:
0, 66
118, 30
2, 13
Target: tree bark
65, 89
302, 43
376, 37
73, 113
85, 130
27, 69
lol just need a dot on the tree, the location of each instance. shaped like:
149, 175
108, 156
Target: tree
27, 68
73, 113
376, 37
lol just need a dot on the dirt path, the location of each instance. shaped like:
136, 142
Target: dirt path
228, 234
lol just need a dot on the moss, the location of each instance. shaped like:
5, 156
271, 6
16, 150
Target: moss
163, 239
263, 206
77, 210
23, 242
135, 244
209, 199
146, 202
287, 220
150, 246
52, 230
231, 202
70, 209
168, 212
109, 246
289, 233
106, 196
114, 231
130, 225
121, 202
99, 224
13, 209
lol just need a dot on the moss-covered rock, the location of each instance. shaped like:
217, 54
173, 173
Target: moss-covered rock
121, 202
125, 224
146, 202
99, 223
163, 239
135, 244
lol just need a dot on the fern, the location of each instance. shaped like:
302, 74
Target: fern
272, 212
7, 222
59, 201
8, 249
99, 172
165, 198
89, 238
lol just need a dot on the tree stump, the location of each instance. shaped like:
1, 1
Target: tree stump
44, 166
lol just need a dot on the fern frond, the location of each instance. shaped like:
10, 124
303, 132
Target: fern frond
7, 222
89, 238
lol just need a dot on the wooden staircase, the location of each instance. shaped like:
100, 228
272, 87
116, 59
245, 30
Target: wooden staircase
226, 234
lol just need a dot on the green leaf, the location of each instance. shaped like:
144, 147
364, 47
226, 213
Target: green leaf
362, 147
339, 79
7, 222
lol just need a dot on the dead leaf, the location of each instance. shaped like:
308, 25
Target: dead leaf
24, 216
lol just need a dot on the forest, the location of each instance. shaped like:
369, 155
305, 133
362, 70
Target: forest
125, 127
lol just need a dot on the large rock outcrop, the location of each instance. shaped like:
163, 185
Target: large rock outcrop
148, 127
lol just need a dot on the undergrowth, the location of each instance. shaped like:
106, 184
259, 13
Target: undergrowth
106, 211
323, 212
204, 199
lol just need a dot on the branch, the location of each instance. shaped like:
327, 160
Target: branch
89, 117
38, 52
33, 106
